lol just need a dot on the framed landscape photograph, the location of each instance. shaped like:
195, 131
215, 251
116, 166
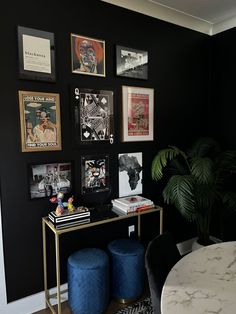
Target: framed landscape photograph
130, 174
87, 55
131, 62
93, 115
95, 173
47, 179
40, 121
137, 114
36, 54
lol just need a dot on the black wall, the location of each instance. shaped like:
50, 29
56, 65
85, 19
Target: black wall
179, 71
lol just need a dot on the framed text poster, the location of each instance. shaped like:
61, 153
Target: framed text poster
36, 53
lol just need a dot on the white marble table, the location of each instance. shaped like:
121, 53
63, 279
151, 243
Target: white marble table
202, 282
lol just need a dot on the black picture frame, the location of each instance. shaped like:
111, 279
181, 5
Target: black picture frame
36, 54
47, 179
95, 173
93, 115
131, 62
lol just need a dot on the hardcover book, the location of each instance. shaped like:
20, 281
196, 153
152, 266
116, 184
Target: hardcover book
132, 201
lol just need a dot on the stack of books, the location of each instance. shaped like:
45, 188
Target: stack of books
67, 219
129, 204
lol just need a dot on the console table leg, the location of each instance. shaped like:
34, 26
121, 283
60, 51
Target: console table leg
45, 264
57, 246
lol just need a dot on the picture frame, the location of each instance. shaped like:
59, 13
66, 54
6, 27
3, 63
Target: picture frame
39, 121
130, 173
47, 179
87, 55
95, 174
131, 62
93, 114
137, 114
36, 54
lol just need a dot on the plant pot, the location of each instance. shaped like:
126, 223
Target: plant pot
197, 245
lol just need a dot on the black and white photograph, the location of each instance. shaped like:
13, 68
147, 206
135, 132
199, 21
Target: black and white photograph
46, 180
130, 174
93, 115
131, 62
95, 174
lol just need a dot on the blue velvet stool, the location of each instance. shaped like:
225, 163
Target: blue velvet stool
88, 281
127, 256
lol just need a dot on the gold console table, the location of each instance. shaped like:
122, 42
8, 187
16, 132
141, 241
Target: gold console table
57, 232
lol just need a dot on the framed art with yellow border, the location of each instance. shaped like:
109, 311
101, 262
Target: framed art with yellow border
137, 114
40, 121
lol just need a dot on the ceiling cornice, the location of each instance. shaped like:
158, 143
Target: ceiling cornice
173, 16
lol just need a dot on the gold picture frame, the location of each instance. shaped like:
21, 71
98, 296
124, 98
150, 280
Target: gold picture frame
87, 55
39, 121
137, 114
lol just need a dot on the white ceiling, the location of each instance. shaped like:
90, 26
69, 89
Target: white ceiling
206, 16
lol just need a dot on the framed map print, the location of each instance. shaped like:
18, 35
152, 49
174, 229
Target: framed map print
137, 114
93, 115
130, 174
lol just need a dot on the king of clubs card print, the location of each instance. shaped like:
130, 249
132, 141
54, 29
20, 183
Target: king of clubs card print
93, 115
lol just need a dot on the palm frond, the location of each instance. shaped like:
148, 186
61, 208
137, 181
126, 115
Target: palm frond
179, 192
161, 159
204, 146
202, 169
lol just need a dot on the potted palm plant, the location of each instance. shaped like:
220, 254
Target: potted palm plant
198, 181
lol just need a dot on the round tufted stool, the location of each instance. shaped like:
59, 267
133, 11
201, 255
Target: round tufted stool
127, 265
88, 281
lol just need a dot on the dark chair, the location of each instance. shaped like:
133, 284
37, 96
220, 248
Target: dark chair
161, 255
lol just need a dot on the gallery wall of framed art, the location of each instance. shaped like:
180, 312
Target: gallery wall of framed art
40, 86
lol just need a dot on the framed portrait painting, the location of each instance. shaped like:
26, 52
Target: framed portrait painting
47, 179
137, 114
130, 174
87, 55
40, 121
36, 54
95, 173
131, 62
93, 115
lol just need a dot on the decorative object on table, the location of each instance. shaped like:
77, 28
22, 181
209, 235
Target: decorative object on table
87, 55
95, 173
141, 307
131, 204
127, 280
79, 214
130, 174
137, 114
131, 62
88, 281
40, 121
93, 115
46, 179
200, 181
60, 207
70, 206
36, 52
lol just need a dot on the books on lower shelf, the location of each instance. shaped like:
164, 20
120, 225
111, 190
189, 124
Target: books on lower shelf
78, 214
132, 204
